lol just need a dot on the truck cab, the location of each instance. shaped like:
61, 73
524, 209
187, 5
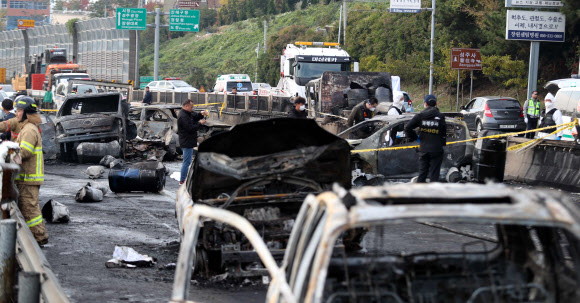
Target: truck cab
299, 64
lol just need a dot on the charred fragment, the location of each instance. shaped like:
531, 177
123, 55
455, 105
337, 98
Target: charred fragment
263, 171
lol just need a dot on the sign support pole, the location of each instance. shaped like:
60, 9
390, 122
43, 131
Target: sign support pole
156, 55
457, 105
471, 87
533, 69
432, 56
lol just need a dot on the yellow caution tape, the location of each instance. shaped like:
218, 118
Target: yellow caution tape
49, 110
527, 143
563, 127
223, 106
209, 104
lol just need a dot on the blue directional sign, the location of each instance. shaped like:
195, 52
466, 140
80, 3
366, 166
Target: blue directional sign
182, 20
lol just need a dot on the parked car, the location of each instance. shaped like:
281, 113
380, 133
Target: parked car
4, 95
387, 131
415, 243
171, 85
96, 118
494, 113
264, 179
7, 88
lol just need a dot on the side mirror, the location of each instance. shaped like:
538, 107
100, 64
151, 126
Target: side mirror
462, 107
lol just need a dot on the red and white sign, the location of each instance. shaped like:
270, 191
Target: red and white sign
184, 4
465, 58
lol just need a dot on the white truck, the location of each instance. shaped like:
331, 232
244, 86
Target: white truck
305, 61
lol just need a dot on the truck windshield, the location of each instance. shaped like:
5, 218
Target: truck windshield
65, 79
306, 71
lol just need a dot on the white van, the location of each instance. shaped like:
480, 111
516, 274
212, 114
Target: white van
567, 101
242, 82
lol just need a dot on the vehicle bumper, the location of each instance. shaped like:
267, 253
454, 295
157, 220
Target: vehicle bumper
86, 137
519, 126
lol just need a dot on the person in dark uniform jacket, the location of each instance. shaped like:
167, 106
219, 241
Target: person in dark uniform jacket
432, 132
147, 98
299, 110
362, 111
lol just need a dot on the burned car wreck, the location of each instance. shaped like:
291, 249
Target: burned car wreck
387, 131
417, 243
91, 126
157, 128
262, 171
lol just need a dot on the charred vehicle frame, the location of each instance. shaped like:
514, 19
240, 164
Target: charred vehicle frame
518, 246
387, 131
265, 179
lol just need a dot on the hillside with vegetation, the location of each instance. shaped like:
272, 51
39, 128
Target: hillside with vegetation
379, 40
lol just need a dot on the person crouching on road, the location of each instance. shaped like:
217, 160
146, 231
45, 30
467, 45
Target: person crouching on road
299, 110
551, 116
397, 107
188, 123
432, 132
31, 175
362, 111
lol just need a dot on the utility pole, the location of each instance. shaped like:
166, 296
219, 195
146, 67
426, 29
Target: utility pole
344, 21
257, 55
533, 67
156, 53
137, 82
432, 56
339, 24
265, 35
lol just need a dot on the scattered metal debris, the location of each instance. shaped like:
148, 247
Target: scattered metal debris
107, 160
92, 152
95, 172
88, 193
146, 176
55, 212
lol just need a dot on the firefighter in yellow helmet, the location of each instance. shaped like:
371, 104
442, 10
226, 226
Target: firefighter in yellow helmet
26, 125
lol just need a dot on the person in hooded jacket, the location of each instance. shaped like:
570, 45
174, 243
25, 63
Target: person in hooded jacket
299, 110
432, 135
31, 176
362, 111
397, 107
550, 116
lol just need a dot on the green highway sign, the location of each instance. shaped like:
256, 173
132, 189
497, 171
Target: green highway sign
131, 18
149, 78
182, 20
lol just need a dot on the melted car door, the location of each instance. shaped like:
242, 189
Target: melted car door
397, 163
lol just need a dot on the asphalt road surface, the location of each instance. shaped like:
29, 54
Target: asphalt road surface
77, 251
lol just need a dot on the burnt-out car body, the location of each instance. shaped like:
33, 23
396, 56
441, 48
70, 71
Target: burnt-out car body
419, 243
262, 171
97, 118
159, 123
387, 131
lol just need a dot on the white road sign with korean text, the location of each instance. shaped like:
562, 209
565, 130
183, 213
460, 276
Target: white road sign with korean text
535, 26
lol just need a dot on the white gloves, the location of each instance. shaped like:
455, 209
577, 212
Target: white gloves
526, 119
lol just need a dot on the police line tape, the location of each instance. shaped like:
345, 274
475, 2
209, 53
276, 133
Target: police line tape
330, 115
562, 127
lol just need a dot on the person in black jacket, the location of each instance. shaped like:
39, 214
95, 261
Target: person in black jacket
363, 111
432, 137
188, 123
147, 98
299, 110
7, 108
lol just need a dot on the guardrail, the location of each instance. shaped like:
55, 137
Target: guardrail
32, 260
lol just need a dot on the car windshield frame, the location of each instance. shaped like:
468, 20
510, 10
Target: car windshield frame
378, 125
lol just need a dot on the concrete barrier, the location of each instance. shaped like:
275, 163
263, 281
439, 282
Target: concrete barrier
550, 163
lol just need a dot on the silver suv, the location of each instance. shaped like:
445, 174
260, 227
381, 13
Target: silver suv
494, 113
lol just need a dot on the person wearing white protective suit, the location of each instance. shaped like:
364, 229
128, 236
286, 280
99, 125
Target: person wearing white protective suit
397, 107
550, 116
